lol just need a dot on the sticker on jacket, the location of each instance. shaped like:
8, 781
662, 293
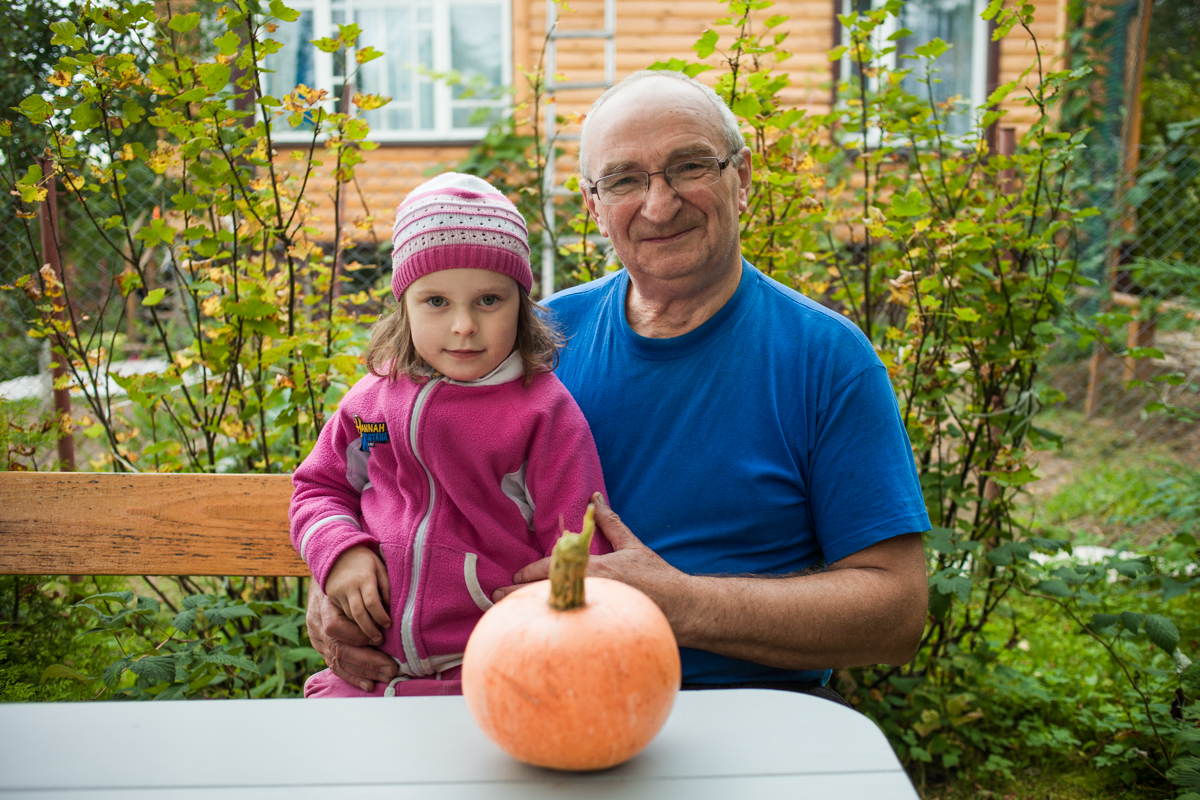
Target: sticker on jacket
371, 432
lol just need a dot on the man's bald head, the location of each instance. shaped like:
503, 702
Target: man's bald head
670, 80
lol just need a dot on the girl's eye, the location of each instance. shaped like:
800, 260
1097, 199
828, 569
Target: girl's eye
437, 302
489, 300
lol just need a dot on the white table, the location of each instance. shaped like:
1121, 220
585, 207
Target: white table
717, 744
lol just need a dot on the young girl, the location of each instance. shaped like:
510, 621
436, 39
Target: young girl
452, 465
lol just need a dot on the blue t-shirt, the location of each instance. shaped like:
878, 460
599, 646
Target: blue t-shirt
764, 441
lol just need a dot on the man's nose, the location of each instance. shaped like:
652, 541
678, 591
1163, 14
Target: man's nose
661, 201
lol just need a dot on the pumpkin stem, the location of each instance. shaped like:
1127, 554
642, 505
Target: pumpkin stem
568, 564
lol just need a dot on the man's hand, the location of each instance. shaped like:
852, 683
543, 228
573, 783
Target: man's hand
358, 585
868, 608
344, 646
630, 562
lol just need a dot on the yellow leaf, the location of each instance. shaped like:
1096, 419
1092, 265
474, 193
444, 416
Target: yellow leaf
60, 78
368, 102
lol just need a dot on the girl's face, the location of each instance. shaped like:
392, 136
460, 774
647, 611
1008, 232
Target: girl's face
463, 321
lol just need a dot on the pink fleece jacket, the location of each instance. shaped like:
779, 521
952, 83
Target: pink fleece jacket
457, 485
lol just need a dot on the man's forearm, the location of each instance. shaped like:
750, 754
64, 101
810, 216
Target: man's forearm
867, 609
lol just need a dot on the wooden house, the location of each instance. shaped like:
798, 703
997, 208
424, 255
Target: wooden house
432, 122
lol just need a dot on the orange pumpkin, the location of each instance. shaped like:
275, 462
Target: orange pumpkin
567, 683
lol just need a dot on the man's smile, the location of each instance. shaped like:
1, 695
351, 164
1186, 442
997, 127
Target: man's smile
667, 238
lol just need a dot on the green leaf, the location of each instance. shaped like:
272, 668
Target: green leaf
357, 128
64, 33
1001, 92
214, 76
899, 34
85, 117
941, 540
156, 669
932, 49
1185, 772
1132, 621
58, 671
1172, 588
282, 12
297, 654
176, 692
364, 54
1046, 329
747, 106
221, 658
156, 230
155, 297
992, 9
184, 22
967, 314
228, 43
221, 614
349, 34
909, 205
112, 673
133, 111
953, 582
1053, 587
1102, 622
1018, 477
920, 754
1162, 632
124, 597
706, 44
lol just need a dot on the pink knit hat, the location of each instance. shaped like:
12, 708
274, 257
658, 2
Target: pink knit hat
458, 221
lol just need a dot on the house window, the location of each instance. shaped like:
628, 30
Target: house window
424, 42
961, 71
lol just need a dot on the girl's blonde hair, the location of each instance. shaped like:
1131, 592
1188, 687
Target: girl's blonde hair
391, 352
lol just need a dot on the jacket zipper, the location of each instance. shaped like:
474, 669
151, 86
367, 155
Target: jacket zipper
407, 619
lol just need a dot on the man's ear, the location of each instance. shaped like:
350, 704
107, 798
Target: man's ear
589, 200
744, 177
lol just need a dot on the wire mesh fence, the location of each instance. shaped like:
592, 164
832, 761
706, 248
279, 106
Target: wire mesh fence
1143, 253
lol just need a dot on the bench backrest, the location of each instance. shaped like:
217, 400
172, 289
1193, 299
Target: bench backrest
86, 523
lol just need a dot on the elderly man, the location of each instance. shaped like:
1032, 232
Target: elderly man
749, 437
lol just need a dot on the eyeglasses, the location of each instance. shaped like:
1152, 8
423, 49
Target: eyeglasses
682, 176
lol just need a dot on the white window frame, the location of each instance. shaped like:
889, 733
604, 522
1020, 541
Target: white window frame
442, 131
980, 43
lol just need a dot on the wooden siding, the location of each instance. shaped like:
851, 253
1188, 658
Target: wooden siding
649, 31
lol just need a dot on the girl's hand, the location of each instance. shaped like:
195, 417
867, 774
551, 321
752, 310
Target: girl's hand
358, 585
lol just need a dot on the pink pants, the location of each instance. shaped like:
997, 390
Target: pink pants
326, 684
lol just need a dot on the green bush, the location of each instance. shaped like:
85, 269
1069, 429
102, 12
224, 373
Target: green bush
40, 628
209, 644
958, 264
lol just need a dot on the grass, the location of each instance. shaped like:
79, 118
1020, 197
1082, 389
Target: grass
1112, 485
1097, 487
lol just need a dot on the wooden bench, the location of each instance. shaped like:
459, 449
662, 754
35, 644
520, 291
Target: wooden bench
86, 523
